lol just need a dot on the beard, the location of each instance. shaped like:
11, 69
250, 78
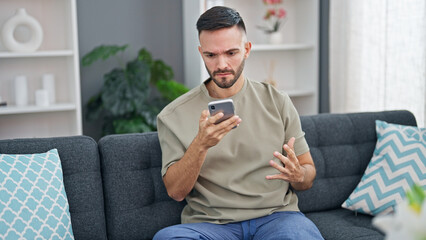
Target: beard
221, 82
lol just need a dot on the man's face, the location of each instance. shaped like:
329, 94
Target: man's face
224, 52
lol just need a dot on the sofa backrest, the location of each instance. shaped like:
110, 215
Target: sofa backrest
136, 201
341, 146
82, 179
137, 204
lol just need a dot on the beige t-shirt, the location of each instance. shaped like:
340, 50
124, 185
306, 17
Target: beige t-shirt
232, 186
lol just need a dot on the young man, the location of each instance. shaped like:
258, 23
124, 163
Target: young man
233, 188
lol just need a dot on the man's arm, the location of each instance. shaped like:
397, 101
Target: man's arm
180, 177
299, 171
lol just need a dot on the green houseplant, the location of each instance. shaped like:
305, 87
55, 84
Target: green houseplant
133, 94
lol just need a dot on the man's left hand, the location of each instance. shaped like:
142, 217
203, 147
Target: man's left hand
291, 170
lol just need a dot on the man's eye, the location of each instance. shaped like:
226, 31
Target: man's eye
232, 53
210, 55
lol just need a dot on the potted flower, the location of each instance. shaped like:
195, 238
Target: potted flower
275, 16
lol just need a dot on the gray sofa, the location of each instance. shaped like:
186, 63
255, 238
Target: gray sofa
115, 190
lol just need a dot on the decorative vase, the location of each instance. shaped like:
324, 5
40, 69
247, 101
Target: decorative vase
49, 85
42, 98
275, 38
22, 18
21, 91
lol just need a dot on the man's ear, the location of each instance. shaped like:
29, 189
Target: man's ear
247, 47
200, 51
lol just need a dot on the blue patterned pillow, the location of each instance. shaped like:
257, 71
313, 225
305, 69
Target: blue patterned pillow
33, 202
398, 162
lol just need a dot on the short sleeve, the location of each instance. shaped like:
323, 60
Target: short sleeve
172, 149
293, 127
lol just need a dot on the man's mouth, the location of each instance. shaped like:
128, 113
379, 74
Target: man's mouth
223, 74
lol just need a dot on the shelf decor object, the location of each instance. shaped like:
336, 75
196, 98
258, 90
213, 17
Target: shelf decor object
49, 85
274, 17
2, 104
42, 98
275, 38
8, 32
21, 91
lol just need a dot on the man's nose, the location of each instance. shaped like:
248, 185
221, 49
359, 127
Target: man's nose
221, 62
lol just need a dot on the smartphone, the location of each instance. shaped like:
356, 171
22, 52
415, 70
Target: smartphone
226, 106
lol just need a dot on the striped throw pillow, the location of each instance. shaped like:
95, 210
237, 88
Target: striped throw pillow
399, 161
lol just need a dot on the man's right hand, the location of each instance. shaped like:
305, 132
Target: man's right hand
189, 166
209, 133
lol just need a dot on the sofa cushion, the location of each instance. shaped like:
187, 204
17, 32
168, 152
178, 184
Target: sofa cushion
344, 224
82, 179
398, 162
33, 201
341, 147
136, 201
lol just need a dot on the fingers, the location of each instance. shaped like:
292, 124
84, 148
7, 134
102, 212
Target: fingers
289, 149
287, 163
283, 172
277, 166
276, 176
283, 159
290, 153
209, 133
287, 173
230, 123
210, 120
291, 142
215, 118
204, 116
291, 169
224, 127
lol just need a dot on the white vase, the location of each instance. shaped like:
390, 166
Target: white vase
42, 98
22, 18
49, 85
21, 91
275, 38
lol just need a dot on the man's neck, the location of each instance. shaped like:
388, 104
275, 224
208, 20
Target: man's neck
217, 92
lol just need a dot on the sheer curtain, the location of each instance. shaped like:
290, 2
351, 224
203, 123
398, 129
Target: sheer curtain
378, 56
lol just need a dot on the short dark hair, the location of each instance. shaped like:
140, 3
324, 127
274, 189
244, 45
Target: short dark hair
220, 17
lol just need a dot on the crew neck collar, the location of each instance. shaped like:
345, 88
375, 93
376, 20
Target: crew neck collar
235, 97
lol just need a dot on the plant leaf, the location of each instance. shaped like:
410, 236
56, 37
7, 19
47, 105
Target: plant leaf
161, 72
114, 93
125, 91
145, 56
415, 197
102, 52
151, 110
171, 89
138, 75
277, 26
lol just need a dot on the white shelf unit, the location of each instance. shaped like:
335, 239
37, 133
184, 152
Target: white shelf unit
295, 60
58, 54
36, 109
